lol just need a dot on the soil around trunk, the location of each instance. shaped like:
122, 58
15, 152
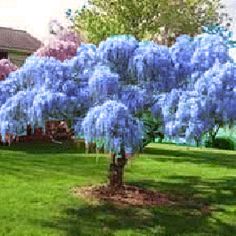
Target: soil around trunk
127, 195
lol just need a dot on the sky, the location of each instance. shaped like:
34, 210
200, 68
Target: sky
34, 15
231, 10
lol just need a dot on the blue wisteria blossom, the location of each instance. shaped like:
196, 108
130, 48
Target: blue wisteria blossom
152, 65
165, 109
211, 105
113, 126
47, 91
81, 66
103, 84
209, 49
218, 88
135, 98
15, 113
117, 51
182, 52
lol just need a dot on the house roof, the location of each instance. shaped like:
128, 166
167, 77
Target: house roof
18, 39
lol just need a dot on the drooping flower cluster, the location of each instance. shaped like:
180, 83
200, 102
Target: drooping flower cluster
103, 84
217, 88
135, 98
212, 103
37, 92
117, 51
182, 52
209, 49
113, 126
152, 65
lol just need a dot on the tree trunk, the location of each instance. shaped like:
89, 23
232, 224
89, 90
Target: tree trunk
100, 149
116, 172
213, 134
29, 130
213, 139
91, 148
197, 141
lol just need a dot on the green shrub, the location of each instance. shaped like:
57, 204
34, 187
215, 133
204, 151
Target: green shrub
208, 143
224, 143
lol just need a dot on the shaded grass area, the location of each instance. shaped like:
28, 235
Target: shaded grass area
36, 182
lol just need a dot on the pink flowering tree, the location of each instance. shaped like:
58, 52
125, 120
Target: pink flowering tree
6, 67
62, 44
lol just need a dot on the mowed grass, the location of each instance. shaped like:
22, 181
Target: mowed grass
36, 197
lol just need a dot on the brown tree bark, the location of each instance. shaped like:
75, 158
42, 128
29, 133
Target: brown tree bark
116, 172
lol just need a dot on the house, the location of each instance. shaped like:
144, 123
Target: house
16, 45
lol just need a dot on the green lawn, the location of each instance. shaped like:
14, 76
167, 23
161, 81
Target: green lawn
36, 199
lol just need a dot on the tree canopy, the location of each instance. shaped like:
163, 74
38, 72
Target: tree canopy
162, 20
143, 76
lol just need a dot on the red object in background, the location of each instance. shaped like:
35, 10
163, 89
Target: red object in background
54, 130
38, 132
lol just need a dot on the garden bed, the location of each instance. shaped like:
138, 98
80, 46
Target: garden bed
127, 195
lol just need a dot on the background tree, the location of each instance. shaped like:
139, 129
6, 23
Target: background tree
62, 43
160, 20
6, 67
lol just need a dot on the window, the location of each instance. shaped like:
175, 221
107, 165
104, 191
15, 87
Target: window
3, 55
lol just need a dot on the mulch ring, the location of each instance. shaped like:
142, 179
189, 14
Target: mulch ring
126, 196
138, 197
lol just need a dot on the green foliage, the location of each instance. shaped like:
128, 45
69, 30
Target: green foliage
224, 143
145, 19
152, 128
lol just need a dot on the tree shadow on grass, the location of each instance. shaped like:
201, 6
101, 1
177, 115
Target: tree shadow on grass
108, 219
40, 147
187, 217
193, 188
196, 157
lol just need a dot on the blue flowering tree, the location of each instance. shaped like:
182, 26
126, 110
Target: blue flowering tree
107, 90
